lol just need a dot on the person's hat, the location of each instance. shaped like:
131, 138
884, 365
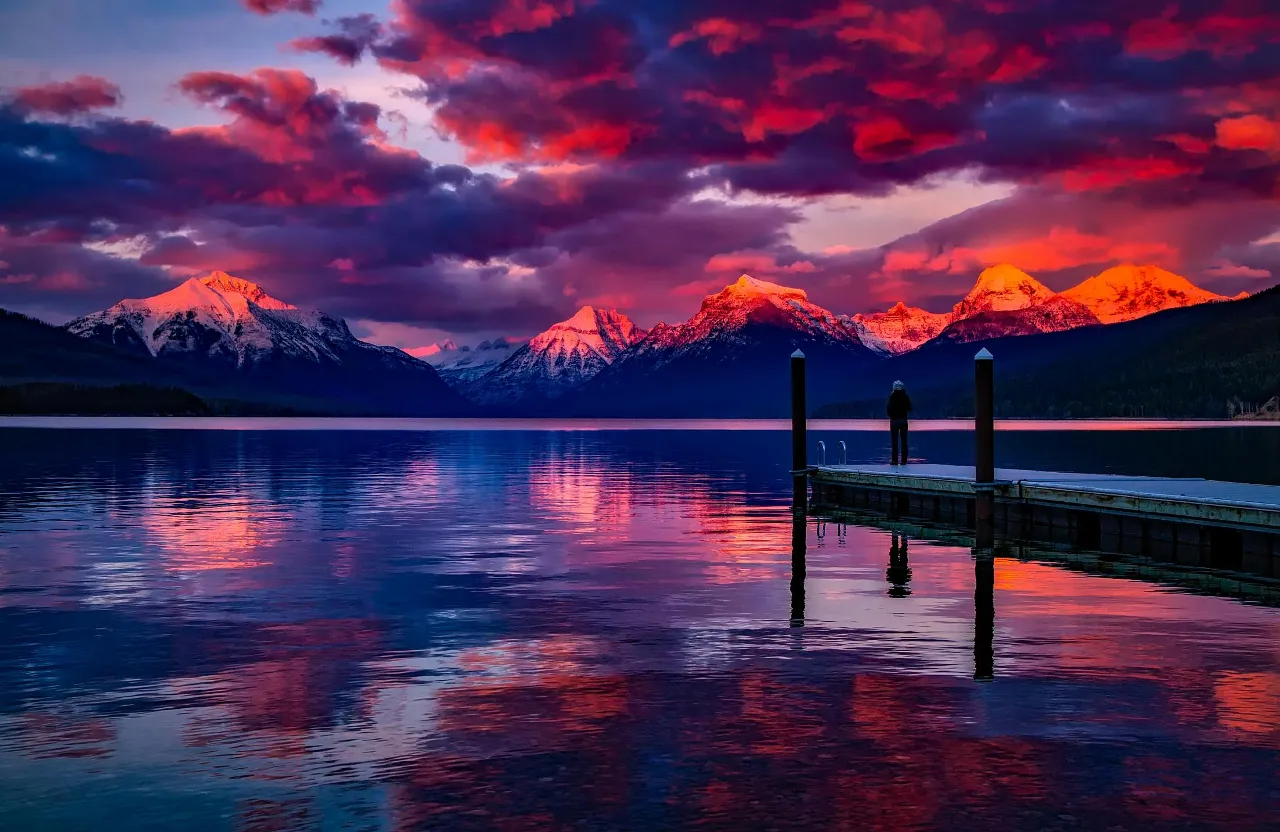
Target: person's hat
897, 385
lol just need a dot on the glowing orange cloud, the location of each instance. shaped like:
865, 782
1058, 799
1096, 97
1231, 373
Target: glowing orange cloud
1062, 248
1251, 132
756, 263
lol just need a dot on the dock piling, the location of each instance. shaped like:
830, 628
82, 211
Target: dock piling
799, 433
985, 447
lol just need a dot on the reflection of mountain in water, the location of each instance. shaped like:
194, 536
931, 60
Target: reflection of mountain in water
519, 625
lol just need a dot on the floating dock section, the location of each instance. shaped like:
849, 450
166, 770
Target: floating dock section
1192, 522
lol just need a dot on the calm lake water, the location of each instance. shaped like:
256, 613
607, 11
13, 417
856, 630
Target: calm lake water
525, 629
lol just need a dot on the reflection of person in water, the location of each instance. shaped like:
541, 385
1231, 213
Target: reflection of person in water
899, 572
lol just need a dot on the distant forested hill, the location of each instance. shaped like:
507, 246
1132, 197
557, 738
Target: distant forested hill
1183, 363
53, 398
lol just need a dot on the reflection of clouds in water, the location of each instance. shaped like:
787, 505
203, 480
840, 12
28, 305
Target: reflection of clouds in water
1249, 704
227, 529
387, 491
577, 490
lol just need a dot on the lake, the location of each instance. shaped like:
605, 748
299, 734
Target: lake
390, 625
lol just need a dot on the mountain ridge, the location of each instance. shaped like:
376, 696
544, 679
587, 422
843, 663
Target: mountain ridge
561, 358
224, 325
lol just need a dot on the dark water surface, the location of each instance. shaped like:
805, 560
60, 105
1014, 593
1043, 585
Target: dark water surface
528, 630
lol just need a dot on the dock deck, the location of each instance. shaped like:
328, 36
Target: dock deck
1233, 525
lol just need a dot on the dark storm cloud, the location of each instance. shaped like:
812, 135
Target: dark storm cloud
819, 96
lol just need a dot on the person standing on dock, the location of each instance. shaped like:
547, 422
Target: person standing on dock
899, 409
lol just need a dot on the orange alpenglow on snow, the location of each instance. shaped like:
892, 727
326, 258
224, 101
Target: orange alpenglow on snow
901, 329
1002, 288
1127, 292
1007, 300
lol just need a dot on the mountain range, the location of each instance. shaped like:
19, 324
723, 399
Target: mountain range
225, 337
722, 359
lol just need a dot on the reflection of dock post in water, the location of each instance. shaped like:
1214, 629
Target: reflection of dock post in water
984, 614
899, 572
799, 545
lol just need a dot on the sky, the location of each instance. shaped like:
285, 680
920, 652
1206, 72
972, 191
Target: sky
481, 168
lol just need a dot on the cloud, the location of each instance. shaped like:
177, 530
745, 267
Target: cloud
278, 6
818, 98
353, 37
1229, 269
300, 188
645, 150
1062, 238
66, 279
1249, 132
81, 94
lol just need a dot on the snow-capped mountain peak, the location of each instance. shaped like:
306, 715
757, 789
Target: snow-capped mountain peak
427, 352
218, 317
605, 332
1002, 288
749, 287
561, 358
229, 329
1126, 292
901, 329
461, 365
226, 284
753, 301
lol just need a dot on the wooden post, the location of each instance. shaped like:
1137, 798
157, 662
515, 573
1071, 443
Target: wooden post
984, 428
984, 416
799, 432
984, 615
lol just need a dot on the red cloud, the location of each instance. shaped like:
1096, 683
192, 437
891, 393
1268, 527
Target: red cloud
773, 117
760, 263
819, 97
1251, 132
282, 116
722, 35
1108, 173
884, 137
79, 95
1018, 65
277, 6
1232, 30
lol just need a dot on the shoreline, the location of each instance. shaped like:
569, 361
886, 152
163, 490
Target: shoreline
66, 422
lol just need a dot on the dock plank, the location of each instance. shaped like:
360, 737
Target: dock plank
1210, 501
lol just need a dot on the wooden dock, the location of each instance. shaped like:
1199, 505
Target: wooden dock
1192, 522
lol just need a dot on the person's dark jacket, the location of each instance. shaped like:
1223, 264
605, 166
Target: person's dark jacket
899, 404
